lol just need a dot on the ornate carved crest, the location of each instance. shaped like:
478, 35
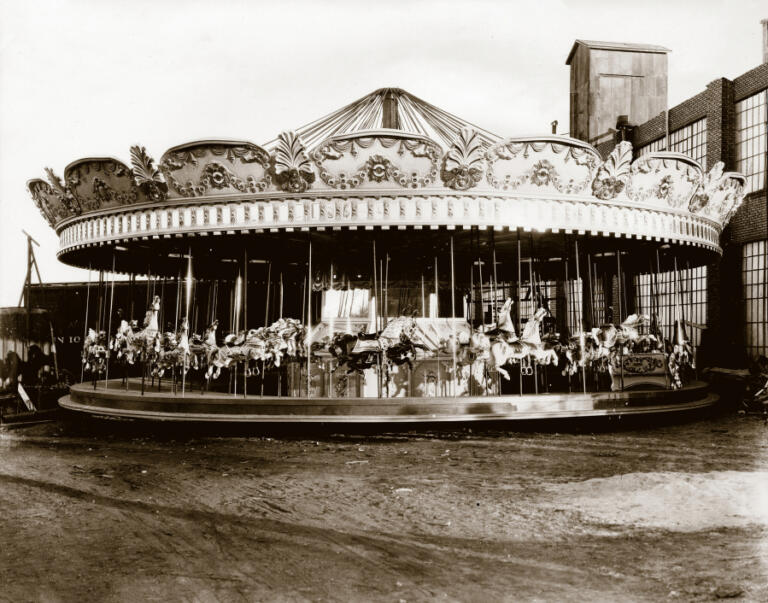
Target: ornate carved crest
709, 183
63, 193
613, 174
146, 176
99, 183
349, 162
464, 165
719, 195
565, 165
41, 193
665, 179
293, 171
193, 170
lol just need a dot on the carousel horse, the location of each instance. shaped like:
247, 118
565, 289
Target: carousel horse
404, 352
123, 342
174, 351
529, 345
146, 342
349, 351
210, 351
95, 352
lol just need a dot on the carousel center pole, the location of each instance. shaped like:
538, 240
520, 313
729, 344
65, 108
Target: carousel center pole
482, 319
438, 386
453, 324
280, 317
188, 301
621, 307
309, 314
618, 285
568, 298
245, 317
266, 319
581, 315
176, 322
423, 300
109, 322
101, 315
658, 304
145, 350
386, 289
537, 299
495, 280
85, 323
517, 300
376, 317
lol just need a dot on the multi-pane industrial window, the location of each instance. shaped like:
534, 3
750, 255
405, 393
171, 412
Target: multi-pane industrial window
755, 279
690, 140
751, 133
660, 144
683, 298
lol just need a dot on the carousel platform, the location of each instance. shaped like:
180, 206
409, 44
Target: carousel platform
113, 400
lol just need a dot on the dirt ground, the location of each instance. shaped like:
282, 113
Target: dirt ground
98, 512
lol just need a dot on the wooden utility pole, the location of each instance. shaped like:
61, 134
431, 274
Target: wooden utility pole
24, 298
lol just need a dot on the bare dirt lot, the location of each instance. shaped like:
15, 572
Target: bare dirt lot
95, 512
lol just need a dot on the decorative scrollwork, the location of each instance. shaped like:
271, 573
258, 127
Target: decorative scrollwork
378, 167
464, 165
63, 193
41, 193
517, 154
100, 183
191, 181
147, 177
613, 174
720, 194
293, 171
669, 178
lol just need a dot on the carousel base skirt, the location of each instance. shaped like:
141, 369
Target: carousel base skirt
113, 400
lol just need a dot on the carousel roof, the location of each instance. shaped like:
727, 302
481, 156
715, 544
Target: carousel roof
386, 160
389, 108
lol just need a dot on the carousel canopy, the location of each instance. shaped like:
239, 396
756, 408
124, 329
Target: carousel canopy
386, 161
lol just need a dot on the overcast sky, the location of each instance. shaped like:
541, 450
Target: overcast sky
91, 77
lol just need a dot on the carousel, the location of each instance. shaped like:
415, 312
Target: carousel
387, 263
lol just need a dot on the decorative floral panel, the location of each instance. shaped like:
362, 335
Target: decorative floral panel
378, 160
664, 179
719, 195
542, 165
101, 183
201, 169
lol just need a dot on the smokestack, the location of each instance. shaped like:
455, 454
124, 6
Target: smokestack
764, 23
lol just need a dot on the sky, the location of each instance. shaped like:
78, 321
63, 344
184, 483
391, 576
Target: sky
86, 78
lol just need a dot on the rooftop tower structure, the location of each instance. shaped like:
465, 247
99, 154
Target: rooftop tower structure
610, 80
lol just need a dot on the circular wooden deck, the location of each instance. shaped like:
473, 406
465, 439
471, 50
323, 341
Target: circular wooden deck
113, 400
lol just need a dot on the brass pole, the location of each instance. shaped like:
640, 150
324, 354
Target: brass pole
453, 324
581, 337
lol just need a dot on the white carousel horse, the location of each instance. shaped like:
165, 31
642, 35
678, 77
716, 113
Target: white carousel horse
175, 351
147, 340
529, 345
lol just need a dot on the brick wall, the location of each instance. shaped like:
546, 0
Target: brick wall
749, 223
723, 341
752, 81
679, 116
